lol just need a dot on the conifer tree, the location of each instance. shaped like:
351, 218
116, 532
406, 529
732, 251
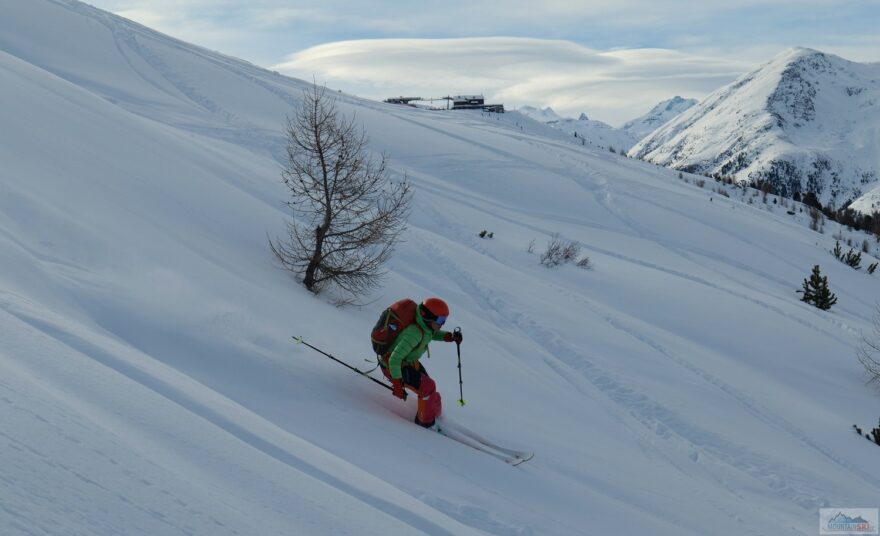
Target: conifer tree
853, 259
816, 290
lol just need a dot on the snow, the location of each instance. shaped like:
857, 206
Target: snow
599, 135
151, 385
586, 132
658, 116
544, 115
805, 121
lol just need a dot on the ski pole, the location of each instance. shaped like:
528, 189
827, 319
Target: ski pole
299, 340
461, 401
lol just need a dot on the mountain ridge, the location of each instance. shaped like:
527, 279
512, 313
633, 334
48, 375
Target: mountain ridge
602, 135
659, 115
800, 123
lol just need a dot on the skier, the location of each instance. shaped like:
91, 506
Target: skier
400, 363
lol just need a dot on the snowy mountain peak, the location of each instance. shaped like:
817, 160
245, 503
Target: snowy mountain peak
794, 53
602, 135
659, 115
676, 104
804, 121
543, 115
793, 99
589, 132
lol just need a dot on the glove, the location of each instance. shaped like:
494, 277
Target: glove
453, 336
397, 389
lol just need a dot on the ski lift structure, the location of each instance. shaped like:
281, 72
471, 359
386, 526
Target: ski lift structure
458, 102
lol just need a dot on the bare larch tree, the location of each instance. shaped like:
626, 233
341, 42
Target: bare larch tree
348, 214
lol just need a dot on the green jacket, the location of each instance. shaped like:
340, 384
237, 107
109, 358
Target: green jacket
409, 346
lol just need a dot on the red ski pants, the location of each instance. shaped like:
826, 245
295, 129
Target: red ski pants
416, 379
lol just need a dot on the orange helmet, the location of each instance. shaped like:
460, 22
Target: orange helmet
435, 310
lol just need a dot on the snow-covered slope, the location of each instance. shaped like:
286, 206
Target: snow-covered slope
587, 132
150, 385
658, 116
804, 122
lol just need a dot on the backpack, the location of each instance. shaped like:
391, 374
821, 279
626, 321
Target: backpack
391, 322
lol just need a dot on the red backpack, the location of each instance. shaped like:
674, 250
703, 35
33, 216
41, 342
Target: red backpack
391, 322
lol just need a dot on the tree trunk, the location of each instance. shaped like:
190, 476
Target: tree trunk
309, 279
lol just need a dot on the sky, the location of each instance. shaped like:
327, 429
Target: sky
612, 61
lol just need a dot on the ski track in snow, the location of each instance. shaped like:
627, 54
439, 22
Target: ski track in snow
653, 413
525, 163
649, 237
678, 250
31, 503
475, 516
682, 250
744, 401
108, 358
238, 131
783, 479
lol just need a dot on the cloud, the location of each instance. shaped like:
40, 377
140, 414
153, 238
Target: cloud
286, 16
596, 23
151, 19
611, 86
613, 60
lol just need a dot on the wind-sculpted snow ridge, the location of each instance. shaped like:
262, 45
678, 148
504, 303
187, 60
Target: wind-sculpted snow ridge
804, 122
151, 384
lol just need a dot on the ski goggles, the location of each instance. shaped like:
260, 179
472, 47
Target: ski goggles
440, 320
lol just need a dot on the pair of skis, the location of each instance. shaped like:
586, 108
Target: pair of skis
452, 431
459, 433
